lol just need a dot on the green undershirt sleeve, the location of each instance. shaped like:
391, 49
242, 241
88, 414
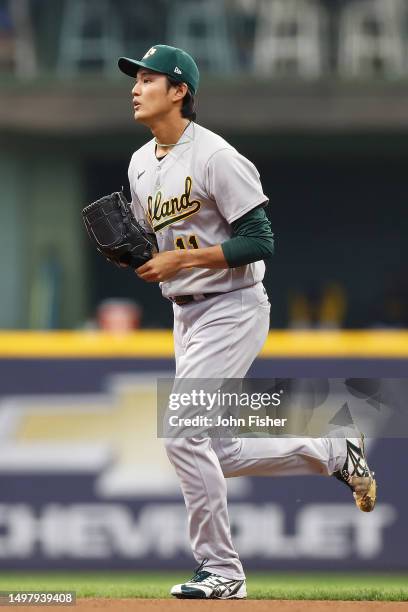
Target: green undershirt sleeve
251, 240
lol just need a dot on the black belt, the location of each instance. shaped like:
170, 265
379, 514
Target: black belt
181, 300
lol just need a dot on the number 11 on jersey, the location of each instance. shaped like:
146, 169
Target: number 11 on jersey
180, 242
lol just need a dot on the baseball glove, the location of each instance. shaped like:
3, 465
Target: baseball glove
111, 224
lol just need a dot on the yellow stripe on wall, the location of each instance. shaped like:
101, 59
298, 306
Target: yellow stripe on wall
390, 344
159, 344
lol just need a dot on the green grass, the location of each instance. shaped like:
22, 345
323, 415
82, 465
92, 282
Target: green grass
376, 587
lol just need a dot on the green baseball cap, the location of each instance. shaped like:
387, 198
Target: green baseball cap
172, 61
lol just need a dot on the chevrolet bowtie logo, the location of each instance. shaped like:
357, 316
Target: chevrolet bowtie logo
113, 434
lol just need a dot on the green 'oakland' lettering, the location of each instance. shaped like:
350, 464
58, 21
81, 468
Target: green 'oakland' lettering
175, 209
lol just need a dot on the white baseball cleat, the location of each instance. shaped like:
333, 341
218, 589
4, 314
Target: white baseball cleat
357, 475
205, 585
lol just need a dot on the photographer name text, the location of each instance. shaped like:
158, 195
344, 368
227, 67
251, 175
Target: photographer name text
252, 420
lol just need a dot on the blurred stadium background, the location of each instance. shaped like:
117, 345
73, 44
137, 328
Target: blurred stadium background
315, 93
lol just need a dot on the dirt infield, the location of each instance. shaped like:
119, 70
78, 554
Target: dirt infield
264, 605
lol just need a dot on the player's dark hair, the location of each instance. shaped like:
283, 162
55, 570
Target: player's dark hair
188, 107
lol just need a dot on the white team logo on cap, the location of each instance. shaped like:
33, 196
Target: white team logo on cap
150, 52
177, 70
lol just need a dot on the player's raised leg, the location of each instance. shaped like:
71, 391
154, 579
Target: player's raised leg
343, 458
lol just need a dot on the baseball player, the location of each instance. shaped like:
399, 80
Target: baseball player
206, 206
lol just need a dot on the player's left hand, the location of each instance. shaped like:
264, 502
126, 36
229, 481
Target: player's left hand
161, 267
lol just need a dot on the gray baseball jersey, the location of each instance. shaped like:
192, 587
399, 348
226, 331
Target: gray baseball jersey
190, 198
